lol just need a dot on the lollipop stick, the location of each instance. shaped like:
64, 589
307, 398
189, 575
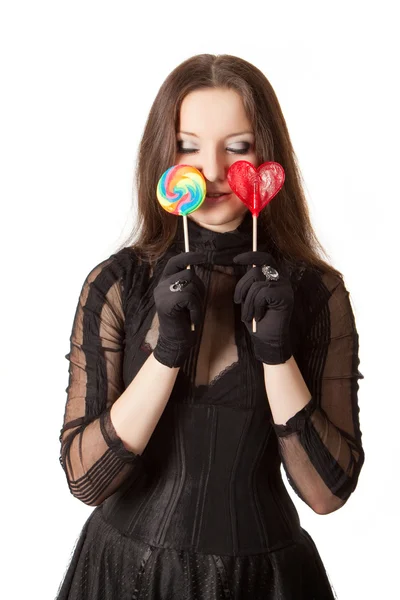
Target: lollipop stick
254, 249
186, 236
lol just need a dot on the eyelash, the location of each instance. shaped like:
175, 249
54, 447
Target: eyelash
190, 151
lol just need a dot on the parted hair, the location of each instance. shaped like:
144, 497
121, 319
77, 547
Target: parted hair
285, 220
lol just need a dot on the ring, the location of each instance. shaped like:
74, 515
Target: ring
270, 273
178, 285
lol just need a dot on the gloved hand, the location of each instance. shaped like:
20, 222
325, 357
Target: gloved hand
270, 303
178, 309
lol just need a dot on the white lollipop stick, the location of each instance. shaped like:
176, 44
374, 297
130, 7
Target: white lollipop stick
254, 249
186, 236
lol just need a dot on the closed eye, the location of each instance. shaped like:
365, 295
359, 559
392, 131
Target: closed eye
245, 147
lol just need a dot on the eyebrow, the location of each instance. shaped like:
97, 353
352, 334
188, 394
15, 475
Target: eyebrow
228, 136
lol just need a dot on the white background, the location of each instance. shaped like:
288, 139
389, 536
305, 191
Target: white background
78, 80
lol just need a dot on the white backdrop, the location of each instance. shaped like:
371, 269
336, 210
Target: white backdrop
78, 80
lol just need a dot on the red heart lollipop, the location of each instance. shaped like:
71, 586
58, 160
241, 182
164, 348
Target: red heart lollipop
255, 187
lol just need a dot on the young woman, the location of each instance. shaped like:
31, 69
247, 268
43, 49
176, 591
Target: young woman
177, 436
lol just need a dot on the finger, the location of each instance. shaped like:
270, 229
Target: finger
189, 293
248, 307
185, 275
195, 287
244, 283
192, 304
196, 312
181, 261
197, 292
255, 257
260, 304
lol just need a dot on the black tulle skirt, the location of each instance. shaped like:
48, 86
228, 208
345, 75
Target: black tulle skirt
108, 565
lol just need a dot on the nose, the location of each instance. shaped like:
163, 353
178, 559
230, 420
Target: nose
214, 167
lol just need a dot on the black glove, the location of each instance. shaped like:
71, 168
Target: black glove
270, 303
178, 309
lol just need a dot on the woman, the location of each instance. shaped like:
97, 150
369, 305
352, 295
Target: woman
177, 436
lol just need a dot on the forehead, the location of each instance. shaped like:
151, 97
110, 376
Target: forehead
213, 112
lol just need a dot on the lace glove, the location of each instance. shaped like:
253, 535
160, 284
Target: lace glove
270, 303
178, 309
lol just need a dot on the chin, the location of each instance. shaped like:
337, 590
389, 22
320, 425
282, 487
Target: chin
219, 216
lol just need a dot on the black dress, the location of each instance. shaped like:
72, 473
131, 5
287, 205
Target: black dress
203, 512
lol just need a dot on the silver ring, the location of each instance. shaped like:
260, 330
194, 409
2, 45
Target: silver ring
270, 273
178, 285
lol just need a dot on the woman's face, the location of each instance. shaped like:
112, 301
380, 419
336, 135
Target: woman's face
214, 133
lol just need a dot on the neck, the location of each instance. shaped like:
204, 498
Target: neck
221, 228
220, 246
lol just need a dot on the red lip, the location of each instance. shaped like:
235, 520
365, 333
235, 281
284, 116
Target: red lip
219, 198
218, 192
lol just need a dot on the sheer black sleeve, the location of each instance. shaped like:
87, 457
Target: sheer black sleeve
320, 446
94, 458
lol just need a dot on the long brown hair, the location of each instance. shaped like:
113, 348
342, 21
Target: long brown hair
286, 221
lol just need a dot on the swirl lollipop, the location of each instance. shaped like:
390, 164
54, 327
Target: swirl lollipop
181, 189
255, 188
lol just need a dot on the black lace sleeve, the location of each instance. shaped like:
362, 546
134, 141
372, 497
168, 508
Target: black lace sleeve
92, 455
320, 446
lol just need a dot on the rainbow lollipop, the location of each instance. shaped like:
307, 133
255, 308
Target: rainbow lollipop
181, 189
